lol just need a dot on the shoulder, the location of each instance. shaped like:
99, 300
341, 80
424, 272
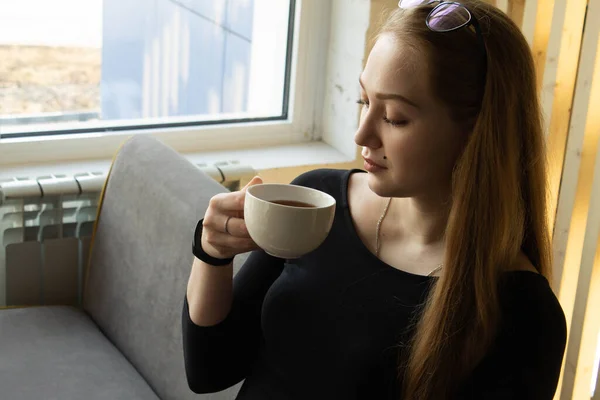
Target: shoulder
527, 298
327, 180
522, 263
531, 315
526, 358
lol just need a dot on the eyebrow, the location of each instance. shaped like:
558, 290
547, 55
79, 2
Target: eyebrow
391, 96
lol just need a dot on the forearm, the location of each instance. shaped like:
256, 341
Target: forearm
222, 332
209, 293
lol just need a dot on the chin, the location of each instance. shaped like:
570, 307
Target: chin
382, 186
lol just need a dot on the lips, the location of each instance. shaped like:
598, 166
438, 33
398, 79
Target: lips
373, 163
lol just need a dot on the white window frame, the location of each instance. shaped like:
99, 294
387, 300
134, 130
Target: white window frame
308, 70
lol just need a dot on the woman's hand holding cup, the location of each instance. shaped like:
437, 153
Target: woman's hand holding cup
224, 233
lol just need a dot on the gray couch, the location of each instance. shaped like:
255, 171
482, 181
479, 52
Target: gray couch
126, 341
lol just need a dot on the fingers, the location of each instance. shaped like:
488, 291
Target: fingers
233, 202
229, 245
227, 203
224, 223
236, 227
257, 180
225, 233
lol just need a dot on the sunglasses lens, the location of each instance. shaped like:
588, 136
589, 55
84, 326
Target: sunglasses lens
409, 3
447, 17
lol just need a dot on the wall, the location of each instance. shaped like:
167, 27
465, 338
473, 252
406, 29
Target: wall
565, 42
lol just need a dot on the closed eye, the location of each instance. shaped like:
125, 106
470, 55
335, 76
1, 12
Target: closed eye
395, 124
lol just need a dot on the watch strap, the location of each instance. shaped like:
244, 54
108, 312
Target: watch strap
199, 252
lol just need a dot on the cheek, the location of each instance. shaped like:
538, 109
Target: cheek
417, 156
405, 149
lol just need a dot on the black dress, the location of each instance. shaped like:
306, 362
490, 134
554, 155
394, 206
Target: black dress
329, 325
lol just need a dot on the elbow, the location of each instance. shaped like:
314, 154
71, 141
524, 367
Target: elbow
201, 388
192, 381
198, 386
205, 383
195, 387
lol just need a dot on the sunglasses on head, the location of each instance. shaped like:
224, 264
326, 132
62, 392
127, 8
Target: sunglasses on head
447, 16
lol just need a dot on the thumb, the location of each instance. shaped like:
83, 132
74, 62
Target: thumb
257, 180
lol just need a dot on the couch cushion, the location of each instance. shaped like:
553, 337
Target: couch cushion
59, 353
141, 260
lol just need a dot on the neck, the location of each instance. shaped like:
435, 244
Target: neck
421, 220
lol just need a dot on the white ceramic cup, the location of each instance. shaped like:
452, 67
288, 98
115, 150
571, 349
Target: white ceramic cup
287, 231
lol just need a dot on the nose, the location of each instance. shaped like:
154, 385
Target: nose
368, 134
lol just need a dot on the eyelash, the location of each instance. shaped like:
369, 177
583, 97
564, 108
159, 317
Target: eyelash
395, 124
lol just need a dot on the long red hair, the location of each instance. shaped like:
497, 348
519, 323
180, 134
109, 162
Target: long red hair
498, 195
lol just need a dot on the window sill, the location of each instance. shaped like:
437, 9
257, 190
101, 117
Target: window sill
261, 159
295, 155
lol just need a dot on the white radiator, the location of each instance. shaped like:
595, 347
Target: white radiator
46, 226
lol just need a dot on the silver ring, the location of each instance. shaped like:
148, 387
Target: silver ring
227, 223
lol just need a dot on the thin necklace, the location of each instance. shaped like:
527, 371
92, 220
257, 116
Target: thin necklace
383, 214
378, 229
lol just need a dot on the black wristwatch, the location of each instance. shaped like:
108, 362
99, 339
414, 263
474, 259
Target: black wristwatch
199, 252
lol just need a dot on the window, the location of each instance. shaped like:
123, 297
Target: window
86, 71
82, 66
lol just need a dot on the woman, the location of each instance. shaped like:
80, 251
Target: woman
433, 282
